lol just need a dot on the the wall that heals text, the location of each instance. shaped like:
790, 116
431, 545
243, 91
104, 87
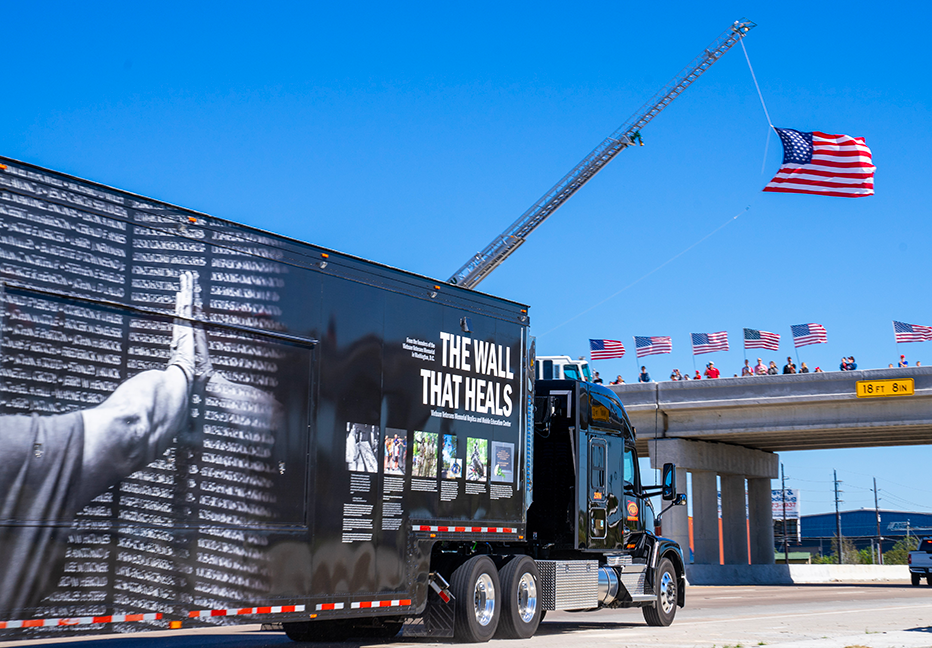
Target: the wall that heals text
232, 468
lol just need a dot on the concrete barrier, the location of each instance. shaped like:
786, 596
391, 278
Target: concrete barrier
793, 574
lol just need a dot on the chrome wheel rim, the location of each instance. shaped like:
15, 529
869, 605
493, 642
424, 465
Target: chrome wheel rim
527, 598
484, 599
667, 592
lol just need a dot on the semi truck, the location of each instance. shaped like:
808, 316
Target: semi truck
207, 424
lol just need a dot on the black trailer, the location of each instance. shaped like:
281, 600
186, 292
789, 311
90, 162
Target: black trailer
209, 424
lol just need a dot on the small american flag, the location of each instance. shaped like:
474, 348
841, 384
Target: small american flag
828, 165
605, 349
911, 332
804, 334
754, 339
652, 345
709, 342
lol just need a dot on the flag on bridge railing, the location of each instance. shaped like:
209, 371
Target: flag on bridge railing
828, 165
709, 342
605, 349
911, 332
804, 334
754, 339
652, 345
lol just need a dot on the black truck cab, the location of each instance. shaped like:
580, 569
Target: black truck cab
585, 465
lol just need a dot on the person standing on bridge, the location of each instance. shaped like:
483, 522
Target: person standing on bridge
903, 361
789, 367
803, 368
746, 369
760, 369
644, 376
711, 371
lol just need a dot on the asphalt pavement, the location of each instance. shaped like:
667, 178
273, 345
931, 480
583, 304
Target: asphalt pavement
881, 615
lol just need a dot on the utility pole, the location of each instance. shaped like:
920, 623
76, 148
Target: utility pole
879, 537
838, 518
786, 551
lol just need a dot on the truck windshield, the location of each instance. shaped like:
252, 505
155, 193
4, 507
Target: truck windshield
585, 371
926, 546
571, 372
629, 476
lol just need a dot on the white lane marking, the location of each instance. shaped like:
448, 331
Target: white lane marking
804, 614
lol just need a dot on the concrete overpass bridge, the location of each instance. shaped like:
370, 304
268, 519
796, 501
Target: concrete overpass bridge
730, 429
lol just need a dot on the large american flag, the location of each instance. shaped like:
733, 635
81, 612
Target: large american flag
652, 345
911, 332
828, 165
605, 349
754, 339
709, 342
804, 334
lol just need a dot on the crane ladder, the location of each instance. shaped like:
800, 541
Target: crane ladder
480, 265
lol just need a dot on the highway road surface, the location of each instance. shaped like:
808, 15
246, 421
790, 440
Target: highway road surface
803, 616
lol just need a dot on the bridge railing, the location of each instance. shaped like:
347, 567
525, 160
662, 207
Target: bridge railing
784, 412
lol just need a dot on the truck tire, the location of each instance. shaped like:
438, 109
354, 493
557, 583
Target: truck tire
915, 579
477, 590
663, 610
521, 602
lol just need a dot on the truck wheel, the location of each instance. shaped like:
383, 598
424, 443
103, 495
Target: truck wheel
521, 603
915, 578
476, 587
663, 610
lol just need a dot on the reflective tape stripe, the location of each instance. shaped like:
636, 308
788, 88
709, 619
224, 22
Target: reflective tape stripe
274, 609
380, 604
73, 621
329, 606
459, 529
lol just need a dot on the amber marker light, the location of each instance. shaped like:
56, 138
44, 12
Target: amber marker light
191, 219
174, 625
314, 616
433, 535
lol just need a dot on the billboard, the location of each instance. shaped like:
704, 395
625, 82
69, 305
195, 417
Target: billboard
792, 503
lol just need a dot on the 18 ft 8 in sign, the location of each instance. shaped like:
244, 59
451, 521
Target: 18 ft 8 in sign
872, 388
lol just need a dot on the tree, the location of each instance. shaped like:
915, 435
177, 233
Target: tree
898, 554
849, 555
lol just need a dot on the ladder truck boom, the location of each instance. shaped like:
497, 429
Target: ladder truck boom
480, 265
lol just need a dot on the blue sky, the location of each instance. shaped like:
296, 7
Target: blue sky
413, 134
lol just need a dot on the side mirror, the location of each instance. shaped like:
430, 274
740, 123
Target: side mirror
669, 482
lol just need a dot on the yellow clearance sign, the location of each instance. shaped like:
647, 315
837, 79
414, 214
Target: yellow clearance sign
874, 388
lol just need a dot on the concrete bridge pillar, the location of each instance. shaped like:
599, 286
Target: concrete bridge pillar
705, 461
760, 519
675, 522
705, 518
734, 520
